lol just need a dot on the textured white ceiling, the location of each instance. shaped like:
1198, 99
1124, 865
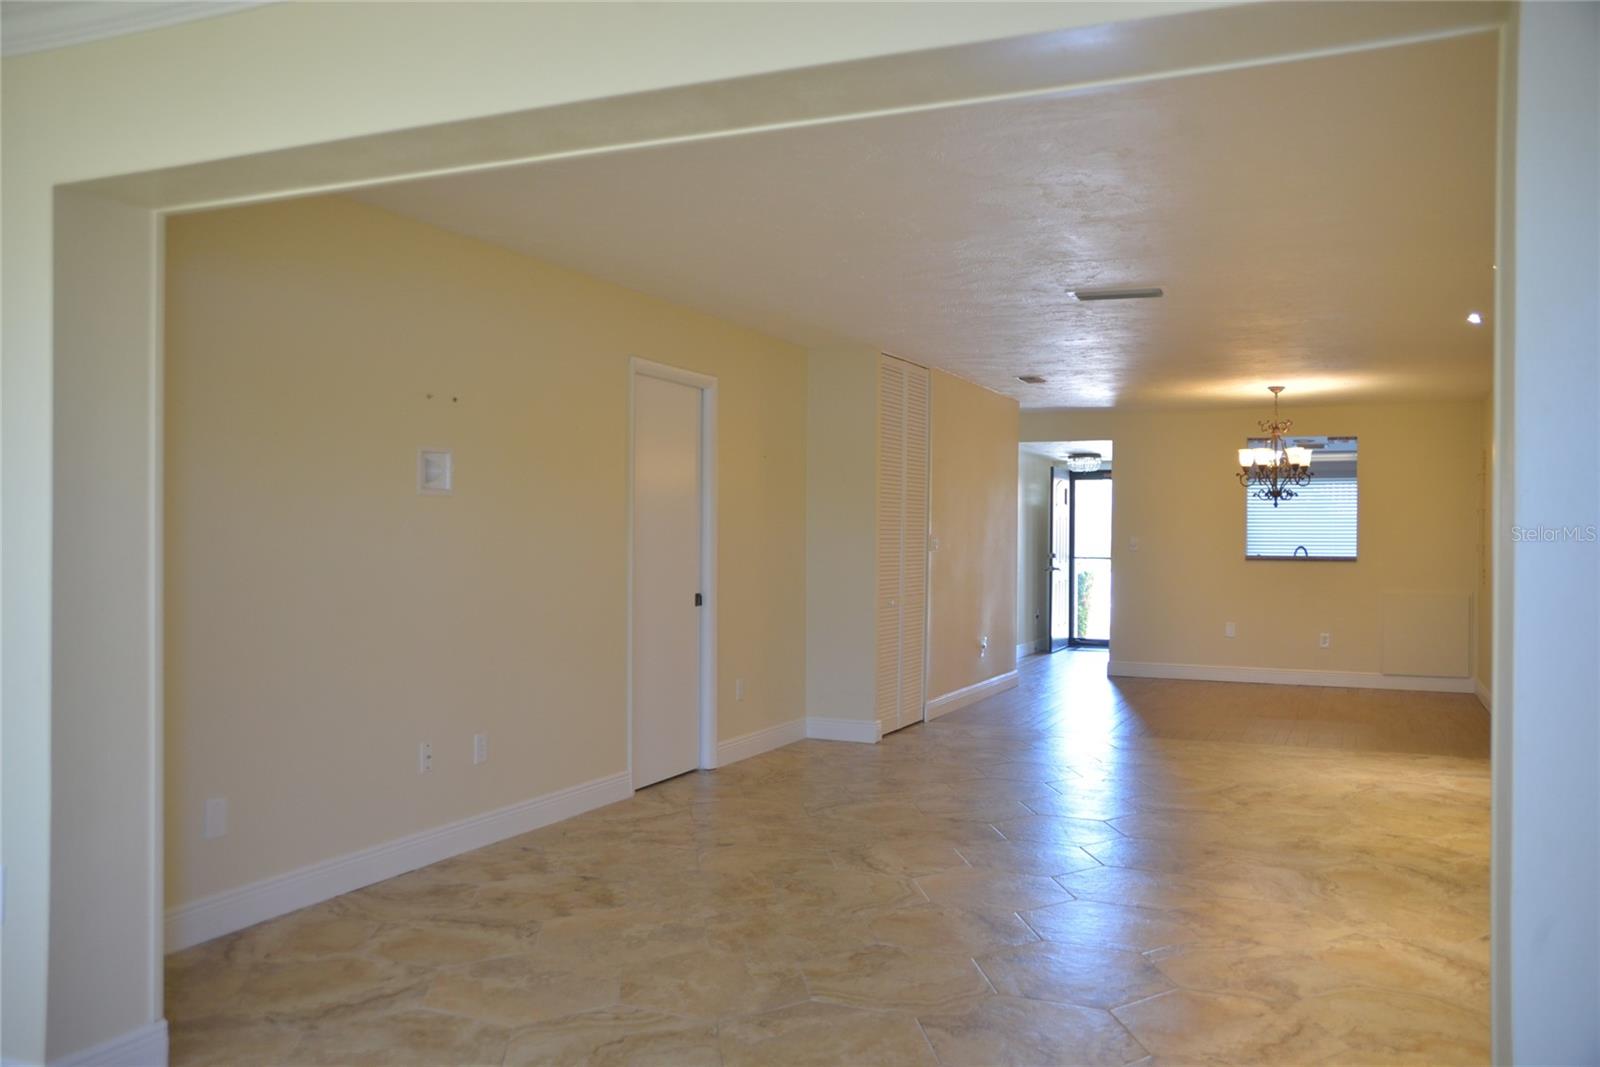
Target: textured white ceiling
1325, 224
1063, 449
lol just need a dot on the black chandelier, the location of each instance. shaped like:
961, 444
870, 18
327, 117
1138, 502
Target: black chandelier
1273, 470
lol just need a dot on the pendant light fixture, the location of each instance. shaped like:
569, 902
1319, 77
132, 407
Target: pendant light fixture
1273, 470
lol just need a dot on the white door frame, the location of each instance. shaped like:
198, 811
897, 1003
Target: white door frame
32, 600
928, 549
707, 385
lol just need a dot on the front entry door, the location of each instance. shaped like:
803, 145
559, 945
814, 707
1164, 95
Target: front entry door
1089, 554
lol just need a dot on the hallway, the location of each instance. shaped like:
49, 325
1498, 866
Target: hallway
1079, 870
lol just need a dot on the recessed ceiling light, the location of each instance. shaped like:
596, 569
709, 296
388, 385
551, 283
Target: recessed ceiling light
1116, 294
1031, 379
1474, 319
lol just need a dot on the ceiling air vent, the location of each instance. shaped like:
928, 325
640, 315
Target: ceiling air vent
1031, 379
1116, 294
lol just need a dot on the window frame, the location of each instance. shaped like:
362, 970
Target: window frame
1319, 444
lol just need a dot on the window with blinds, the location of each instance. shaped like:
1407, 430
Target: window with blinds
1320, 522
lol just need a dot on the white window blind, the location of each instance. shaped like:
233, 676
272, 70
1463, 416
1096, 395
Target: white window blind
1320, 522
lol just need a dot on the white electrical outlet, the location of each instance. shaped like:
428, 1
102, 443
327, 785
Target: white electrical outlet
215, 821
983, 645
738, 689
424, 757
1229, 630
480, 747
1325, 640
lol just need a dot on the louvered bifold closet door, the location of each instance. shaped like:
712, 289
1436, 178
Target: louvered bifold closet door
891, 527
914, 557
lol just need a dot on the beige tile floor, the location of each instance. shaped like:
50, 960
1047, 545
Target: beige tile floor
1077, 871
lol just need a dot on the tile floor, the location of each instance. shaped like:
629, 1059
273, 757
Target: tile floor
1080, 871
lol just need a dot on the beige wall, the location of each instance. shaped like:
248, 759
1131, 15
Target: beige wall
103, 541
973, 518
1175, 495
841, 501
1033, 548
972, 512
323, 618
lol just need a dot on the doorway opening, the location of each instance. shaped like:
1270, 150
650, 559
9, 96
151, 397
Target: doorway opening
1077, 548
1089, 559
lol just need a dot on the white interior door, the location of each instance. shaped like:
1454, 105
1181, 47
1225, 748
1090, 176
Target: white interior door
666, 579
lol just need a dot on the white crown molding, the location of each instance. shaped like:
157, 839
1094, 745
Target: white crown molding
39, 25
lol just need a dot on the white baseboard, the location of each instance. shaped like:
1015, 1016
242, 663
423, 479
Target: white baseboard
1485, 695
1033, 648
1279, 676
144, 1047
235, 909
971, 694
753, 744
865, 731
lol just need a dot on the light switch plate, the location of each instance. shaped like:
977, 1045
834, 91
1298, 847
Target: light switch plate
435, 472
216, 818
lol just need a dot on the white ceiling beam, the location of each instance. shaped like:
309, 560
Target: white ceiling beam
40, 25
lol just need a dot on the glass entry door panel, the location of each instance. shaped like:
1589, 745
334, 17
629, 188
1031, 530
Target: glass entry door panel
1090, 550
1060, 560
